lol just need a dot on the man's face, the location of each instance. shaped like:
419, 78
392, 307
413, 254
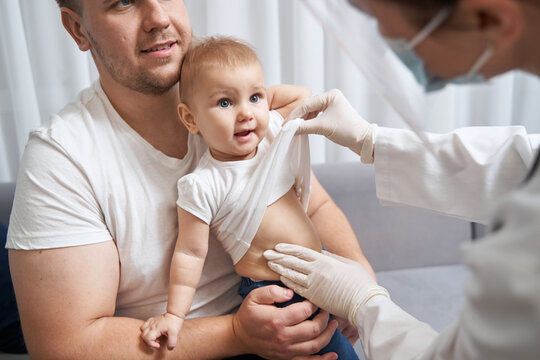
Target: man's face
138, 44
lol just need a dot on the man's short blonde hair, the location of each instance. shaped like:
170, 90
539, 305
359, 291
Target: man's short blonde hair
216, 51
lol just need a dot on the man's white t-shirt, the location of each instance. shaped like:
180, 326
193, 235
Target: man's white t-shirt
87, 177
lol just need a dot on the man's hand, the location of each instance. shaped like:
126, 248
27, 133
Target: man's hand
282, 333
347, 329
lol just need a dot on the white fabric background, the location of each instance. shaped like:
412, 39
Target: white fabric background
41, 70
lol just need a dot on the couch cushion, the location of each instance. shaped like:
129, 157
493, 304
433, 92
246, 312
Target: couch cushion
7, 191
392, 237
431, 294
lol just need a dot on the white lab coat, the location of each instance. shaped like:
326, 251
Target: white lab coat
471, 179
473, 168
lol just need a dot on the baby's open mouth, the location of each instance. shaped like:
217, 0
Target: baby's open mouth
243, 133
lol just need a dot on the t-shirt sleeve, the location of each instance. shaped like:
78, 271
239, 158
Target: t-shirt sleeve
195, 197
275, 122
55, 205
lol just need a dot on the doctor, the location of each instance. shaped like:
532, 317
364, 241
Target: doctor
488, 175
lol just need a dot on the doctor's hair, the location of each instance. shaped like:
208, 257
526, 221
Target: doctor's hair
426, 5
74, 5
215, 51
424, 10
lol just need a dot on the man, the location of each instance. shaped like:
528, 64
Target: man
94, 222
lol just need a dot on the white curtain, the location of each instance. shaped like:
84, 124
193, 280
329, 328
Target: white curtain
41, 70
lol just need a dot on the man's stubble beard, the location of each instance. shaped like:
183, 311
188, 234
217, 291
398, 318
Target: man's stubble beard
138, 80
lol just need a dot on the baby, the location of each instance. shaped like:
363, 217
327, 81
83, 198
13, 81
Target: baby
250, 188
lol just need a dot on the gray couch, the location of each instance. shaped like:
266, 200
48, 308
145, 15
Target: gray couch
414, 252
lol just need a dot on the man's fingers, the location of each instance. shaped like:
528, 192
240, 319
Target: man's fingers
352, 336
347, 330
327, 356
296, 313
268, 295
307, 330
316, 344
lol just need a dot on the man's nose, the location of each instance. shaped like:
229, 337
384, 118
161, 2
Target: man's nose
155, 17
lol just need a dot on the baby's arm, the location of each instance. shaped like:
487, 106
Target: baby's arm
285, 98
186, 269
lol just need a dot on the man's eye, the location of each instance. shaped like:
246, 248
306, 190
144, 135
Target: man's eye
124, 3
224, 103
255, 98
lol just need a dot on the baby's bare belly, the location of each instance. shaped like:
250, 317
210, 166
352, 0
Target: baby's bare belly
283, 221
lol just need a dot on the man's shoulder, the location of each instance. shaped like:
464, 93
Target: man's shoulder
78, 121
88, 104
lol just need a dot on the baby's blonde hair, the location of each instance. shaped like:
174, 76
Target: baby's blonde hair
220, 51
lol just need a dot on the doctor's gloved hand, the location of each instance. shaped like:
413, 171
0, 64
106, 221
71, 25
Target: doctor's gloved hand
338, 121
334, 283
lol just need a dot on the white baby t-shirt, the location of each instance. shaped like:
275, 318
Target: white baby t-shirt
232, 196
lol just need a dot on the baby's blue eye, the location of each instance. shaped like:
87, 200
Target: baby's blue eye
224, 103
255, 98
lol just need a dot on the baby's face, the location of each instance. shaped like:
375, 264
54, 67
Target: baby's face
231, 110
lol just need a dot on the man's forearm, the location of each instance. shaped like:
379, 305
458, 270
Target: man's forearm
68, 314
119, 338
333, 228
336, 233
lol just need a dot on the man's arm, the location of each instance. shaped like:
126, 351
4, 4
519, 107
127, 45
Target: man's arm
332, 226
285, 98
66, 299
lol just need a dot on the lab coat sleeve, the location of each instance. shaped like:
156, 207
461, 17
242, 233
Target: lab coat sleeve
471, 169
388, 332
500, 315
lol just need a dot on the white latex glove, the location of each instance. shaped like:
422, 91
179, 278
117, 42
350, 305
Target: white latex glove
338, 121
339, 285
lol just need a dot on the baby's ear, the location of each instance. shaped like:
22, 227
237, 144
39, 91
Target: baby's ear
186, 116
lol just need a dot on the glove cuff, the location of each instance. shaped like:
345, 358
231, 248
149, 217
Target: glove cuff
366, 153
363, 298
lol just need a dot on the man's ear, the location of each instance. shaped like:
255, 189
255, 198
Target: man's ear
187, 118
73, 24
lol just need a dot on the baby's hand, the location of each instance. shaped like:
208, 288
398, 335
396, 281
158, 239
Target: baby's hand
166, 324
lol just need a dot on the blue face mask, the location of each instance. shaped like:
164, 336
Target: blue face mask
405, 51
